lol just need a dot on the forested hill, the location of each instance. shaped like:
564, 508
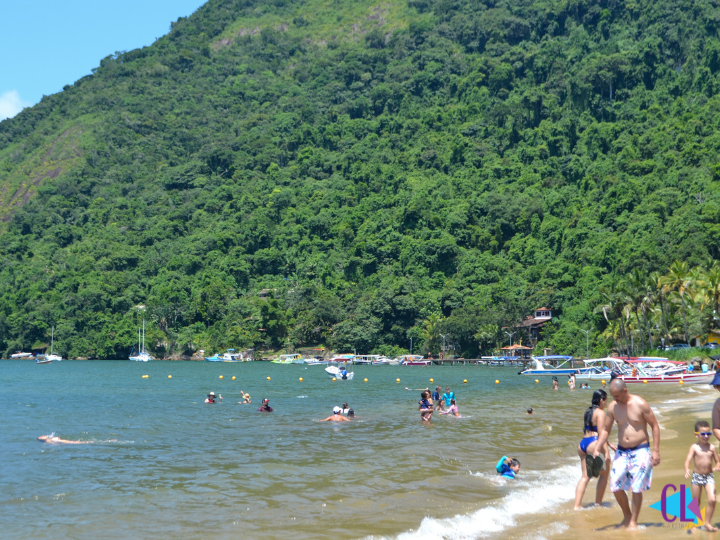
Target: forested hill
387, 169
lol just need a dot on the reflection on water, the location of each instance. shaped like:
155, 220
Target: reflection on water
183, 469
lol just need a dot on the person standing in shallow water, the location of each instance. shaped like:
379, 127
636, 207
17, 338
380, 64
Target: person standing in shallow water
594, 419
633, 463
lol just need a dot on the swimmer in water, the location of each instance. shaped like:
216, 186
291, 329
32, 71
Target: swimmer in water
438, 403
211, 398
452, 410
508, 467
246, 398
529, 411
555, 385
336, 416
53, 439
265, 407
425, 408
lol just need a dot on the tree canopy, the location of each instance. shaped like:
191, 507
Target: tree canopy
383, 168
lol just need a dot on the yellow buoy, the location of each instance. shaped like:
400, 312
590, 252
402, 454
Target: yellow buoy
397, 380
268, 378
681, 382
334, 379
221, 376
432, 380
497, 382
645, 382
465, 381
233, 377
146, 376
537, 381
300, 379
365, 380
169, 376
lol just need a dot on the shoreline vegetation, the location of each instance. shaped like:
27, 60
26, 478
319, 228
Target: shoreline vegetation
373, 176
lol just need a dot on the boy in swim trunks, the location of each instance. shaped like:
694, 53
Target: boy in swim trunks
704, 455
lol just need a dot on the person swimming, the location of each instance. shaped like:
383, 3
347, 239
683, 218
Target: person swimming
425, 408
336, 416
211, 398
529, 411
452, 410
508, 467
53, 439
265, 407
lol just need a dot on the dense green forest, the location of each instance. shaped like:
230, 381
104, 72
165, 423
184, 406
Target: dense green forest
388, 170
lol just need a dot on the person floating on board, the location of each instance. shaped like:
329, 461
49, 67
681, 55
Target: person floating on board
508, 467
265, 407
703, 454
211, 398
336, 416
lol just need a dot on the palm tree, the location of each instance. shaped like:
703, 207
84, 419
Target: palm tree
635, 293
710, 286
679, 279
431, 331
613, 307
655, 282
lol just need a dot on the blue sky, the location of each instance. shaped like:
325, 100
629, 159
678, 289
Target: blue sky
46, 44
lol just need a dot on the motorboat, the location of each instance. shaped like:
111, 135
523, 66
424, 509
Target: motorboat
600, 369
53, 357
365, 359
662, 371
413, 360
334, 372
143, 356
385, 361
22, 356
43, 360
289, 359
543, 368
316, 362
229, 356
342, 359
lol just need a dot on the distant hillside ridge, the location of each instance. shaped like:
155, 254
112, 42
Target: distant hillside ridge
388, 171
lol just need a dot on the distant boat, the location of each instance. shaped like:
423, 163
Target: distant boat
43, 360
335, 372
413, 360
229, 356
542, 367
53, 357
22, 356
144, 356
342, 359
289, 359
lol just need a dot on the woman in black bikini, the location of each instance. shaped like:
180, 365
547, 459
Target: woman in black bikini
594, 417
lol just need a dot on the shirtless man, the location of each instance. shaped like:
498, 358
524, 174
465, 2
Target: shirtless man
336, 416
633, 463
54, 439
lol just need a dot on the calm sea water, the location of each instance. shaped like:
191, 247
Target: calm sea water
163, 463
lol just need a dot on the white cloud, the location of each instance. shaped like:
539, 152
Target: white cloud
11, 104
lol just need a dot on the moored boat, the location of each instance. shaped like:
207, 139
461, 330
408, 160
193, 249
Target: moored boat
143, 356
289, 359
22, 356
43, 360
53, 357
542, 367
335, 372
413, 360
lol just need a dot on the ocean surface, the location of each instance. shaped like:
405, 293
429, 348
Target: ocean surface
164, 464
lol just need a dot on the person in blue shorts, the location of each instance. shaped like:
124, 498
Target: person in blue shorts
508, 467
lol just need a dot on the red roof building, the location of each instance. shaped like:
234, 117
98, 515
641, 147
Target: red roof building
535, 323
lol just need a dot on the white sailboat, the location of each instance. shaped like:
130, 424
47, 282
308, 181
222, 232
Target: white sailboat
53, 357
144, 356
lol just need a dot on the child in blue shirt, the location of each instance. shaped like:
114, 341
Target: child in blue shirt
508, 467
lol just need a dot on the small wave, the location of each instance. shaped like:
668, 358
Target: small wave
531, 497
301, 397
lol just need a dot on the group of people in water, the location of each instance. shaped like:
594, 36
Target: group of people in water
431, 402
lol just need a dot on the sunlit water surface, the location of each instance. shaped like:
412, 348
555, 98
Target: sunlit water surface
163, 463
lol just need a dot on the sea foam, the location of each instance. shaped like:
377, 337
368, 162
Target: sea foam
539, 495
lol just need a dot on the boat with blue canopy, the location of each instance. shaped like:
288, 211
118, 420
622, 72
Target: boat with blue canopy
543, 368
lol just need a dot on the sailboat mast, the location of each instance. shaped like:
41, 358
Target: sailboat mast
52, 339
